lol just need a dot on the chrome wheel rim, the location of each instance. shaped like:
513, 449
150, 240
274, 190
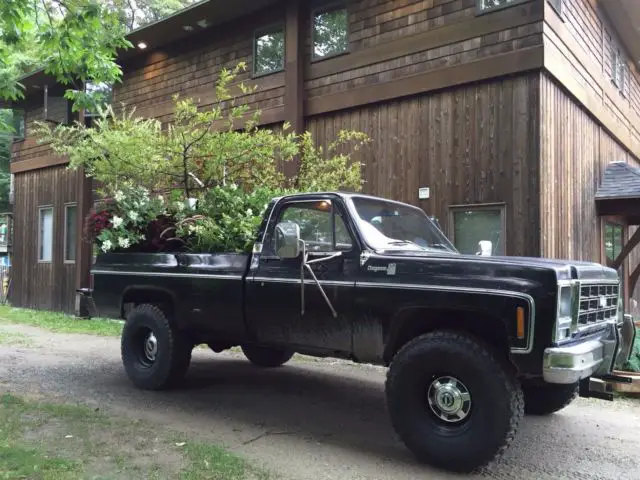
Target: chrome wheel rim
150, 347
449, 399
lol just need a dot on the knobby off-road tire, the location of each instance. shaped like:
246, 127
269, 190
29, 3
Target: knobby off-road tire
147, 369
266, 356
421, 395
548, 398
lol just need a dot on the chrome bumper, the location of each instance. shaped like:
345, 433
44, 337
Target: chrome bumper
594, 357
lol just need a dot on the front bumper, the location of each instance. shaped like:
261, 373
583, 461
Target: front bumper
595, 357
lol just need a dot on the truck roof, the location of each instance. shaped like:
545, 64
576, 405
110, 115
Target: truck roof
344, 195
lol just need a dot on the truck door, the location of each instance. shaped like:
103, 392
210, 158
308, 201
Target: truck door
274, 294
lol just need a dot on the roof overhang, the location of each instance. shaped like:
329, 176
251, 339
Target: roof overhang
181, 25
619, 192
625, 17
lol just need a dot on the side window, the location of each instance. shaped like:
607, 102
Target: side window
315, 220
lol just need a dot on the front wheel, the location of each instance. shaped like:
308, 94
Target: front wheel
266, 356
548, 398
154, 354
452, 402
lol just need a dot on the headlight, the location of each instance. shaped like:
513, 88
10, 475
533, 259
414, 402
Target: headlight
565, 324
565, 302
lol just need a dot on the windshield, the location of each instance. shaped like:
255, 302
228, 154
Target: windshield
392, 226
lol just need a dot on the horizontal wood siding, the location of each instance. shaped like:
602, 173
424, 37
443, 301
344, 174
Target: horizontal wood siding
474, 144
393, 39
48, 286
191, 68
579, 47
30, 148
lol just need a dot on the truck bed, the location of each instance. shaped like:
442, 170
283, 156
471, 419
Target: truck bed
207, 289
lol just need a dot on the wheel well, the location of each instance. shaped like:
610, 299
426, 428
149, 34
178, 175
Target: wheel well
158, 297
418, 322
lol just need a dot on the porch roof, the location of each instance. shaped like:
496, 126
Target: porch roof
619, 192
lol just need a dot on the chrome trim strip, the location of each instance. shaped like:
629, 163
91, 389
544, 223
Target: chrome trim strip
482, 291
167, 274
307, 281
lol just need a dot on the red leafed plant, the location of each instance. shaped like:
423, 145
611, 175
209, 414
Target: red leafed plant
96, 222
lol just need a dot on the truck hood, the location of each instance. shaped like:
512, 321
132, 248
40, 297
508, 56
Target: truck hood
563, 269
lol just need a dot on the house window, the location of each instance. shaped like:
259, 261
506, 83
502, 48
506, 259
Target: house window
12, 121
269, 51
473, 226
613, 240
70, 232
619, 70
45, 234
102, 96
484, 6
330, 31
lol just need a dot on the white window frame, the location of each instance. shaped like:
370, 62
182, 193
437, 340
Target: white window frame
67, 206
41, 209
484, 6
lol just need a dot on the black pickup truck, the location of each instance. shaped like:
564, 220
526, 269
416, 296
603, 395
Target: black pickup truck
471, 342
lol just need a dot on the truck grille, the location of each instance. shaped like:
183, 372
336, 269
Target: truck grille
598, 303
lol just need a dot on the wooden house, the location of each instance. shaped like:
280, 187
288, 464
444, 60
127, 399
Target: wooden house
508, 120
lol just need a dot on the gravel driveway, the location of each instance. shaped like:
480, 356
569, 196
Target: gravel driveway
310, 419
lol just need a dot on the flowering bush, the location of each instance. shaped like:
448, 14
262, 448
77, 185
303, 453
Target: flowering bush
226, 219
125, 219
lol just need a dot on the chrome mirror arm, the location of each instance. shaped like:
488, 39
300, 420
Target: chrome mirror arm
306, 263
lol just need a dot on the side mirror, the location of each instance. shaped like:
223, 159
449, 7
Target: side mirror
287, 240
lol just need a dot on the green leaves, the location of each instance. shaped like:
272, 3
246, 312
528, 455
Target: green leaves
217, 155
75, 41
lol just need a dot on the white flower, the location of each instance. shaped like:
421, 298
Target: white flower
233, 186
249, 212
116, 221
133, 215
124, 242
160, 198
106, 246
119, 196
142, 237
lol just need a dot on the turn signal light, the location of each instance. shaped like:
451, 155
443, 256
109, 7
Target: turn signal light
520, 322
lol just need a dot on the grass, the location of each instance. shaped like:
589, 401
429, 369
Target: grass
12, 339
59, 442
58, 322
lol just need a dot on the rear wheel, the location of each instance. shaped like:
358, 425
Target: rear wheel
267, 356
452, 402
155, 355
547, 398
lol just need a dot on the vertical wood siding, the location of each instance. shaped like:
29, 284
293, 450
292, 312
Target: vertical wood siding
47, 286
476, 144
575, 151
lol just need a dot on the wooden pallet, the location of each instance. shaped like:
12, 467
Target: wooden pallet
628, 388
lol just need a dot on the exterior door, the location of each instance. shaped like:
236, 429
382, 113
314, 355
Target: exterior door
276, 311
